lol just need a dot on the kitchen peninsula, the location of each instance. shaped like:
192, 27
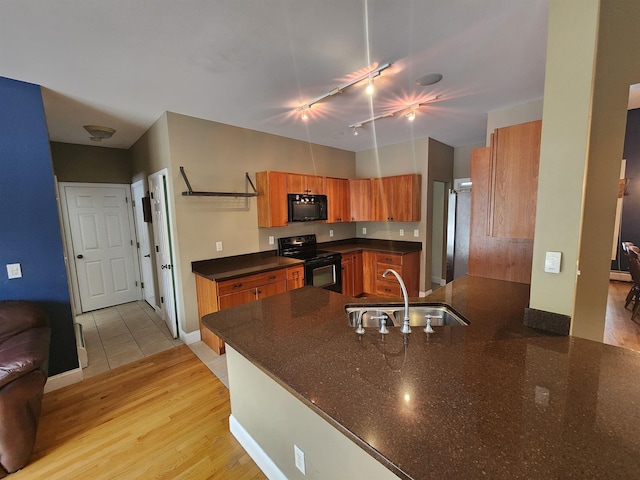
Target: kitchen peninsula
494, 399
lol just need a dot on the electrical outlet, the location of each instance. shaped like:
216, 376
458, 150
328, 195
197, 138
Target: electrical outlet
402, 232
299, 457
416, 233
364, 230
218, 246
331, 233
271, 240
14, 270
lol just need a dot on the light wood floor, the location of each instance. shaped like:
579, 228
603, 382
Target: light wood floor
620, 330
161, 417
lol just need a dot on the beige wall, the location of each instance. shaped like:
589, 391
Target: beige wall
215, 158
428, 157
90, 164
590, 65
279, 420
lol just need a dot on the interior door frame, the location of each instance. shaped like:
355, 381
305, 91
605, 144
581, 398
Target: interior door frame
141, 231
75, 289
171, 226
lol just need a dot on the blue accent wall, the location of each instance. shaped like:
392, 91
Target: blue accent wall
29, 224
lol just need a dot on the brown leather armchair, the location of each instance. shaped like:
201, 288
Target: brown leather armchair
24, 356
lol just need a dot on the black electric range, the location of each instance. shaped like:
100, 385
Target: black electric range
321, 268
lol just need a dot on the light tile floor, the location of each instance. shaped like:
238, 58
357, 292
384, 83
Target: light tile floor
125, 333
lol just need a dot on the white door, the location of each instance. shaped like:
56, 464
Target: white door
144, 245
163, 249
102, 245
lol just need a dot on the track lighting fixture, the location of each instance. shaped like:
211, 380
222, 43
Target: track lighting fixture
409, 109
371, 74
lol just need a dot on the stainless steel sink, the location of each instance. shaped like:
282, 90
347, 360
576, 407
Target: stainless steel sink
439, 314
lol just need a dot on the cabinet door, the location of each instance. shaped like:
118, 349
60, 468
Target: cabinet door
380, 203
360, 199
358, 274
272, 199
405, 194
295, 277
237, 298
514, 180
311, 184
338, 200
270, 289
369, 272
347, 275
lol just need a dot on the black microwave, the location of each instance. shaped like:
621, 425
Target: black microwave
307, 208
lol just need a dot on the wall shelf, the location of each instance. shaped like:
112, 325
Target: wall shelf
191, 193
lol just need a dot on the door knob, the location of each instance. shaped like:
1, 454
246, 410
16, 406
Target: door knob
80, 256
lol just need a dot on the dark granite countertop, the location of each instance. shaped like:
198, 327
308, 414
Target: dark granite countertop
371, 244
226, 268
494, 399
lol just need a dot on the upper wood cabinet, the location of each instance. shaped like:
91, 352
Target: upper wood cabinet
310, 184
338, 200
272, 199
360, 199
396, 199
515, 156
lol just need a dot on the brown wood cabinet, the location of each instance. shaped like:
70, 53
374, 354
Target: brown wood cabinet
352, 274
396, 199
503, 199
310, 184
214, 296
338, 200
295, 277
360, 199
515, 156
272, 199
407, 265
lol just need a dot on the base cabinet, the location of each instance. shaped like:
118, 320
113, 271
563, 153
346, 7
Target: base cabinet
214, 296
352, 274
406, 265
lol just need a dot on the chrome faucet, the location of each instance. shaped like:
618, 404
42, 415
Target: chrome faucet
405, 323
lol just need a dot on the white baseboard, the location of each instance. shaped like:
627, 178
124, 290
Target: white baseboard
63, 379
424, 294
191, 337
620, 276
255, 451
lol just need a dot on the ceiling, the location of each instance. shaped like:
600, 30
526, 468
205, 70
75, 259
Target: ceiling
251, 63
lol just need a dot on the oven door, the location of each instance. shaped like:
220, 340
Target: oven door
324, 273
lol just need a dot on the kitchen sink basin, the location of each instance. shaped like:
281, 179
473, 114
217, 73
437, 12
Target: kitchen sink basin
393, 314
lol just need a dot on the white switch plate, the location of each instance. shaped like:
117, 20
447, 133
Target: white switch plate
331, 233
271, 240
364, 230
218, 246
416, 233
402, 232
14, 270
299, 457
552, 262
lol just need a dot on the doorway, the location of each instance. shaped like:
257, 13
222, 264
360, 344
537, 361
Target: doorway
98, 226
163, 249
144, 244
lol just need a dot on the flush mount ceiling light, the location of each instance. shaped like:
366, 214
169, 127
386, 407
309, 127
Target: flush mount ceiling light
99, 133
371, 74
409, 109
429, 79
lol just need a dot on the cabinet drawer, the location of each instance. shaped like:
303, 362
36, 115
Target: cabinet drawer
390, 258
390, 278
388, 289
251, 281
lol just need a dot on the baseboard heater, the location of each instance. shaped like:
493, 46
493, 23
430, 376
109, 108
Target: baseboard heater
620, 276
82, 348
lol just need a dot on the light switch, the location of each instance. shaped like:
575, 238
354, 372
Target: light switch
552, 262
218, 246
14, 270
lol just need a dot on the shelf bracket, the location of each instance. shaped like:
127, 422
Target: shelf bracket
191, 193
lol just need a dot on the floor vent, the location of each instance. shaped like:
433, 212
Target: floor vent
82, 348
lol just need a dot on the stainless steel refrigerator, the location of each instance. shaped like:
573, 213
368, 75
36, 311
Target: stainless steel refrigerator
458, 228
